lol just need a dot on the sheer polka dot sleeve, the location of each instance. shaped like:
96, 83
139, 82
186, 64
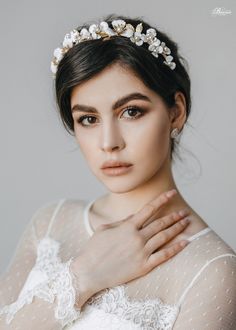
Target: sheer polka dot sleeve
36, 291
209, 300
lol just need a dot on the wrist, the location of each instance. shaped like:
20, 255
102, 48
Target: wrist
81, 283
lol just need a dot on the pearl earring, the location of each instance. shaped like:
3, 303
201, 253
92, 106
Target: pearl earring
174, 133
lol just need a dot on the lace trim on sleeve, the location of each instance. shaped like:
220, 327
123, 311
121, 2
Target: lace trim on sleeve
48, 279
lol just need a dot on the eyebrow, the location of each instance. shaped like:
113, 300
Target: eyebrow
117, 104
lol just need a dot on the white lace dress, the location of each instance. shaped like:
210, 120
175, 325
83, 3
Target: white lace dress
193, 290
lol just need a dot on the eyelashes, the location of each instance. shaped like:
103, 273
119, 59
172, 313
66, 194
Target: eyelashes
129, 110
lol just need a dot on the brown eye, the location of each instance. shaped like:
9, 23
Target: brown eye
132, 112
81, 119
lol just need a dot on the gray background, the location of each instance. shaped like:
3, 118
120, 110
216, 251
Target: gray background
40, 162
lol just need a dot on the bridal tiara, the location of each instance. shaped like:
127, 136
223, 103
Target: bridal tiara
120, 28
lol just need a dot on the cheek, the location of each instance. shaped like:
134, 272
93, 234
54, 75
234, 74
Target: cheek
85, 144
150, 139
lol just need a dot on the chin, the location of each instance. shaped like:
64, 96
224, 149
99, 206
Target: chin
124, 183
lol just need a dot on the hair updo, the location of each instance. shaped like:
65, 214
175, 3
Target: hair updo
84, 60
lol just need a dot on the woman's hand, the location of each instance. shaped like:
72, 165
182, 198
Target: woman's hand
125, 250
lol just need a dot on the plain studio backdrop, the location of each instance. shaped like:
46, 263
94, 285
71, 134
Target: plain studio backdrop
40, 161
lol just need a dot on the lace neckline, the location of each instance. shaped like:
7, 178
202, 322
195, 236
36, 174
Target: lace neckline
90, 231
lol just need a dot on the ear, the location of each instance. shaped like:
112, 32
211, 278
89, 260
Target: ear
178, 113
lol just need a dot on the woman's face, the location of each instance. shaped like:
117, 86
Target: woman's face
106, 129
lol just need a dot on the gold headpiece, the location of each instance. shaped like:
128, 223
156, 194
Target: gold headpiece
120, 28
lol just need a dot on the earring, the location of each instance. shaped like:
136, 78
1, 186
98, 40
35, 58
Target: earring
174, 133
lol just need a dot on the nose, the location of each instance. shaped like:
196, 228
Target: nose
111, 137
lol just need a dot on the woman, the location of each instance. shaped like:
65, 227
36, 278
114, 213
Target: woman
117, 262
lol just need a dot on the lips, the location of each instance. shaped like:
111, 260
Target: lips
114, 163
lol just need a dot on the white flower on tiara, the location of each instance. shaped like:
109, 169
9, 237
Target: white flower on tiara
123, 29
58, 53
70, 39
120, 28
138, 36
100, 30
84, 35
150, 36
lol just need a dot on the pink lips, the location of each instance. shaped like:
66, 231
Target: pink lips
114, 163
118, 170
115, 167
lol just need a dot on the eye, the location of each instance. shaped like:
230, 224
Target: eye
134, 109
80, 120
130, 110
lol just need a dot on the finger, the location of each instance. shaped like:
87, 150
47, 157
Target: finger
160, 224
165, 236
160, 256
149, 210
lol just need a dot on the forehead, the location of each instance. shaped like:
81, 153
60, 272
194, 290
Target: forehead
108, 85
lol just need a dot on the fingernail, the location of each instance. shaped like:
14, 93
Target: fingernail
184, 212
184, 221
171, 193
